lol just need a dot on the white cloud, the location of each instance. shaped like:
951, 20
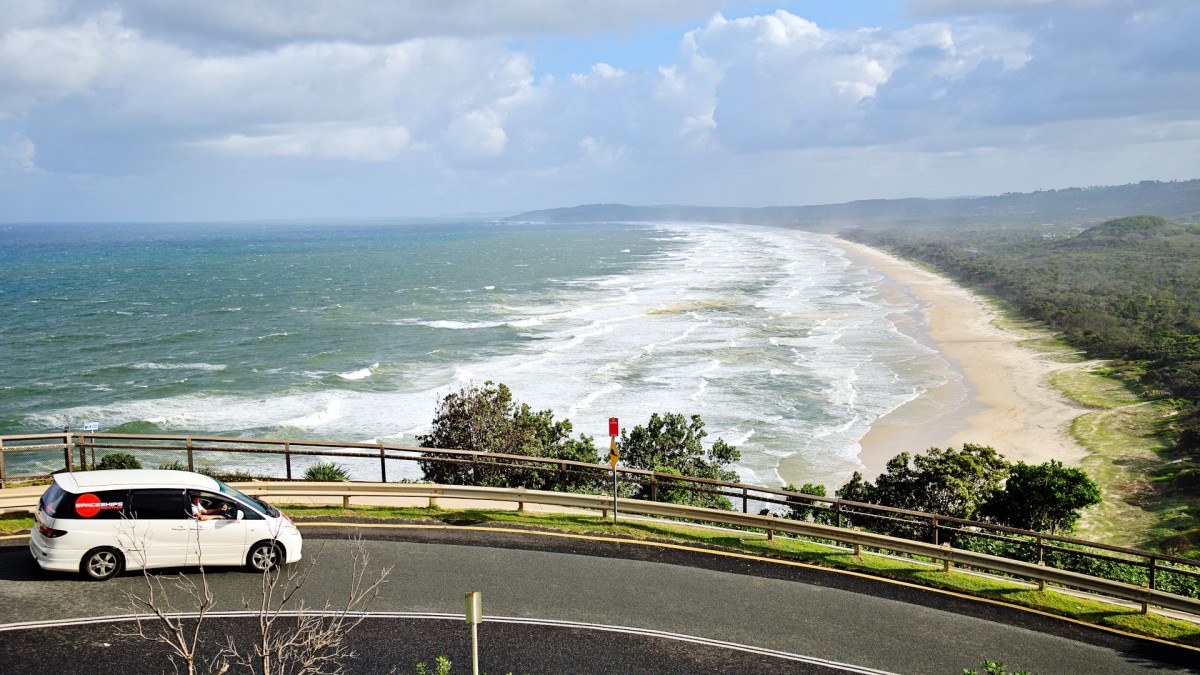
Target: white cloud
155, 86
18, 151
264, 22
476, 135
358, 144
41, 64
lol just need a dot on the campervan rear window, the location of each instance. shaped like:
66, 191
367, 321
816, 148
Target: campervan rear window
96, 505
51, 498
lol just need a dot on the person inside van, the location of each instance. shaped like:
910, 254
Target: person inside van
201, 513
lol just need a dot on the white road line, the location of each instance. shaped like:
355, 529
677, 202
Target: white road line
678, 637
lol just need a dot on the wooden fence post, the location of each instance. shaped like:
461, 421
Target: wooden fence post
67, 452
3, 476
287, 458
382, 465
191, 455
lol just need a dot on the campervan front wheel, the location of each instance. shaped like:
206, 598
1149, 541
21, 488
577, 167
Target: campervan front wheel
264, 556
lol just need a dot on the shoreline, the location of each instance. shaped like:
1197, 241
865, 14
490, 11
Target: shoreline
1002, 398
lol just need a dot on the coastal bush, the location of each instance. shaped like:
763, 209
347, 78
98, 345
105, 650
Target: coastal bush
232, 475
329, 472
488, 419
808, 510
948, 482
1077, 558
976, 483
118, 460
672, 443
1043, 497
174, 466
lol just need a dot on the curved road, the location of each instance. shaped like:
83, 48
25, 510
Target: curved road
544, 594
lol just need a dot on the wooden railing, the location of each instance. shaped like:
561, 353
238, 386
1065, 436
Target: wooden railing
1154, 572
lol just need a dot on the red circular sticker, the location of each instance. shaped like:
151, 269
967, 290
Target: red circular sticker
87, 505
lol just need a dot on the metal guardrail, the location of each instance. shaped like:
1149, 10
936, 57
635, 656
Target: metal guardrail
767, 523
27, 498
1159, 572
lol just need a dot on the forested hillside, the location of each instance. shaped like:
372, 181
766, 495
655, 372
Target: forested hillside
1178, 200
1126, 290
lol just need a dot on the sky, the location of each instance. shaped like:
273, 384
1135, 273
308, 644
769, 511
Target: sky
197, 110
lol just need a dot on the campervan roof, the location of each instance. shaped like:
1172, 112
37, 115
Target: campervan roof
118, 478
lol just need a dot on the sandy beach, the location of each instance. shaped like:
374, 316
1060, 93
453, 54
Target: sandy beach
1001, 396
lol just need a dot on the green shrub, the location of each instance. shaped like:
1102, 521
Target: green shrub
118, 460
327, 472
174, 466
993, 668
441, 666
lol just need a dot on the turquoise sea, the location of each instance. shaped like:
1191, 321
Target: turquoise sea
355, 331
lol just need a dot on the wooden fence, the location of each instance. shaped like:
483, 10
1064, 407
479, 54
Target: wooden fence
858, 523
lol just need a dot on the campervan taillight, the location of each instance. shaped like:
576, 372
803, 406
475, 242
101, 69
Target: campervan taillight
49, 532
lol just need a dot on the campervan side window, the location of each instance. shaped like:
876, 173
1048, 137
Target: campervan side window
168, 504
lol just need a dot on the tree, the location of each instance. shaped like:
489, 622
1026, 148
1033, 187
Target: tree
857, 489
672, 443
808, 510
487, 419
1043, 497
947, 482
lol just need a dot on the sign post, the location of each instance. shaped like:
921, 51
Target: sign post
613, 456
474, 613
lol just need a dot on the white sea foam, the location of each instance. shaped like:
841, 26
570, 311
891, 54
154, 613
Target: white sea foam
179, 366
461, 325
324, 416
360, 374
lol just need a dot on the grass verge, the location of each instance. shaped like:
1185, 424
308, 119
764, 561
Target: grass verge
1122, 436
13, 523
913, 571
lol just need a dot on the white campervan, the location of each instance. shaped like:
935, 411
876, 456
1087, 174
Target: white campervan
102, 522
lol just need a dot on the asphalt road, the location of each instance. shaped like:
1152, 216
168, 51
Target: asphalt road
779, 618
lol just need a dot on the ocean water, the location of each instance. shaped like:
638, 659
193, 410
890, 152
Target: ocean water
355, 331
